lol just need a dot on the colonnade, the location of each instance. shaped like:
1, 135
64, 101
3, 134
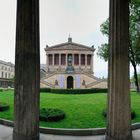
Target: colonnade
83, 59
27, 72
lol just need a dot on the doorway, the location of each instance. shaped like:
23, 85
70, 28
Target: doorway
69, 82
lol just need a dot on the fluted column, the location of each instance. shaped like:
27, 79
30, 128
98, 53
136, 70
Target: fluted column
118, 127
27, 71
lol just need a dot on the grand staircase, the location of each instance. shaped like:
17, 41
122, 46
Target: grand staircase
95, 82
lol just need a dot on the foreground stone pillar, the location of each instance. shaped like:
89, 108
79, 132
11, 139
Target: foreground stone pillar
119, 126
27, 71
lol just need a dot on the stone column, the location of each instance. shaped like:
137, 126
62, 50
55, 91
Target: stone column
80, 60
47, 63
27, 71
53, 59
59, 59
73, 59
92, 61
119, 124
66, 60
86, 60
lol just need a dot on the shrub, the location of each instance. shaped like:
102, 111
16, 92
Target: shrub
78, 91
133, 114
51, 114
45, 90
4, 107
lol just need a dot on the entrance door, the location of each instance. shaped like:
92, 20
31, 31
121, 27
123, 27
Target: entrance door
70, 82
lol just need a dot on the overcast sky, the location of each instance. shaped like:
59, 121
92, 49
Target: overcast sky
59, 18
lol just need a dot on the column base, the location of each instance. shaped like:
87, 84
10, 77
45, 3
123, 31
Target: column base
116, 138
23, 137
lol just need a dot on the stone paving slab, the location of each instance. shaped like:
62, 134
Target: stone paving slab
6, 134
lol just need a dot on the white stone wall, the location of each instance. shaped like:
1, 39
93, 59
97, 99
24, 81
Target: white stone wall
6, 70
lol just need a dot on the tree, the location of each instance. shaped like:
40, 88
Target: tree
134, 47
133, 79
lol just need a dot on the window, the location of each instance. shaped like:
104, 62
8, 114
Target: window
50, 59
5, 75
56, 59
63, 59
82, 59
9, 75
2, 75
76, 59
89, 59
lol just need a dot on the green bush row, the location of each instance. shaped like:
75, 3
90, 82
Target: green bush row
73, 91
45, 90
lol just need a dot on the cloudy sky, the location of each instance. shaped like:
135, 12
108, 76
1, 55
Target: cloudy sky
59, 18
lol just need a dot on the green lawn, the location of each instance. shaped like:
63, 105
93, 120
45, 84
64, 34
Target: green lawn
82, 111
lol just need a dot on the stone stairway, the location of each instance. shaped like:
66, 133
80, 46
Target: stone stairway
95, 83
46, 83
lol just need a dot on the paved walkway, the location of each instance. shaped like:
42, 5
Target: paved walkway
6, 134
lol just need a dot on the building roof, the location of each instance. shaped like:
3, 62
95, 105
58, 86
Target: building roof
7, 63
69, 46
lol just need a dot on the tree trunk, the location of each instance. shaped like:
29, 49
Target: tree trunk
136, 77
133, 62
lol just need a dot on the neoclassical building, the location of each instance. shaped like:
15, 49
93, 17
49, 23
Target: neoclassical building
6, 74
70, 65
27, 73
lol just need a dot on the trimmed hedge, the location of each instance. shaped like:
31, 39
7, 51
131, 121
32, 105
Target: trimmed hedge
133, 114
45, 90
51, 114
4, 107
74, 91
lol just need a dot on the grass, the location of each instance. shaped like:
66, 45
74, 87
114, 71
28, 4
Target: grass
82, 111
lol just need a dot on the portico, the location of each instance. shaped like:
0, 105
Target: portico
57, 56
26, 122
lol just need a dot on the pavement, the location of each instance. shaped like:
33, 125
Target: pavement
6, 134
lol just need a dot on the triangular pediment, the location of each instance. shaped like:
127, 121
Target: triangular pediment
69, 46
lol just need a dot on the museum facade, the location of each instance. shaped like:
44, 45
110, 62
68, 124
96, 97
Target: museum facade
70, 66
